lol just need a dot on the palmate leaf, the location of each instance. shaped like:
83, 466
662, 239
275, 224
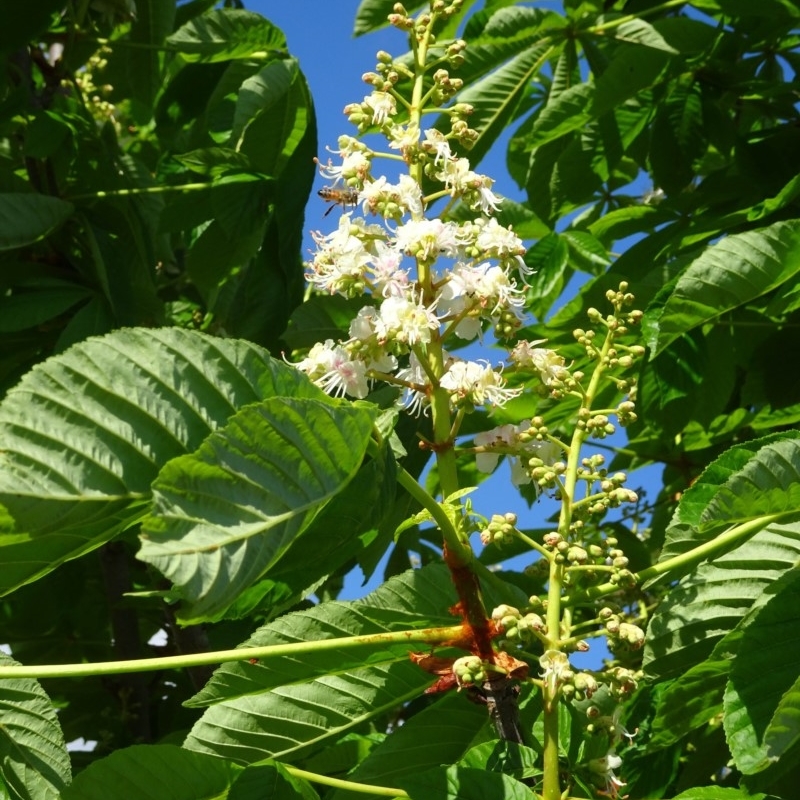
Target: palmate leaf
34, 763
709, 603
225, 34
464, 783
727, 275
440, 734
85, 433
496, 98
419, 598
27, 218
289, 706
761, 717
154, 772
224, 514
755, 479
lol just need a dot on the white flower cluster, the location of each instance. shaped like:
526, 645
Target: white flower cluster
384, 260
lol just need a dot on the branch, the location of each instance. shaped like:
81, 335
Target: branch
428, 636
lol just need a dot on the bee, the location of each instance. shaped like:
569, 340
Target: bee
346, 196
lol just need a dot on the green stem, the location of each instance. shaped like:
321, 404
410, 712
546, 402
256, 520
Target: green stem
338, 783
184, 187
691, 558
430, 636
615, 23
551, 785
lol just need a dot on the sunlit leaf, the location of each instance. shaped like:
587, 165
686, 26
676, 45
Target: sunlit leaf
707, 604
85, 433
223, 515
727, 275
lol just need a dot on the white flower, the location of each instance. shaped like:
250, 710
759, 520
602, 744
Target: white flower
428, 238
340, 261
382, 105
331, 367
500, 243
477, 382
406, 321
388, 278
364, 330
414, 400
364, 325
604, 769
382, 197
436, 143
506, 437
409, 195
502, 435
556, 668
403, 138
548, 363
355, 166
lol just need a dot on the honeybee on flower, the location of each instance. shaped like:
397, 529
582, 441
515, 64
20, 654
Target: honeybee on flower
338, 196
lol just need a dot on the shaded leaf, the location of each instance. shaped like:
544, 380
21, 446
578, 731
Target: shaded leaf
271, 781
770, 646
639, 31
464, 783
440, 734
154, 772
227, 33
27, 218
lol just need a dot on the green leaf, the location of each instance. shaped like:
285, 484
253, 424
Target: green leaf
496, 98
631, 70
718, 793
415, 599
154, 772
709, 603
225, 34
225, 514
689, 701
271, 781
639, 31
464, 783
513, 759
34, 762
290, 706
42, 302
259, 93
569, 111
85, 433
750, 481
151, 25
275, 111
27, 218
727, 275
440, 734
761, 717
